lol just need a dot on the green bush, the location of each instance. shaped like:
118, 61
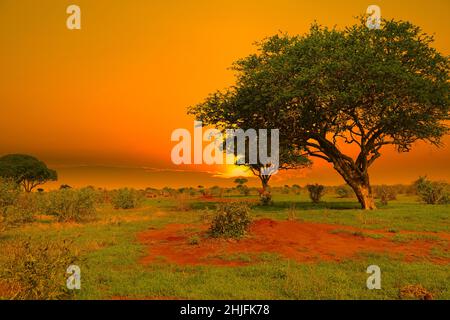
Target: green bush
231, 220
243, 190
9, 193
22, 211
296, 189
265, 198
285, 190
71, 204
385, 193
16, 207
316, 192
37, 271
126, 199
432, 192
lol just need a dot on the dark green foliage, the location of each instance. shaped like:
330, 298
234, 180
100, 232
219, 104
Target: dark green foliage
26, 171
330, 87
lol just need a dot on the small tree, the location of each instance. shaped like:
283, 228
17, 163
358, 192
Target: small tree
316, 192
296, 189
243, 189
26, 171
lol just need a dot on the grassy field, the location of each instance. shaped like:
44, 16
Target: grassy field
110, 253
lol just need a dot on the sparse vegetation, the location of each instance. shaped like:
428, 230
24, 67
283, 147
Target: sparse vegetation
111, 240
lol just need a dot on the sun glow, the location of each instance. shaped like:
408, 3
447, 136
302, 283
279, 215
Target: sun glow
233, 171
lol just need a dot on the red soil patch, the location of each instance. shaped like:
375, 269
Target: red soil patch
303, 242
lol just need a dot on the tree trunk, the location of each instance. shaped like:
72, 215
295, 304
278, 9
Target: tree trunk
361, 186
265, 185
364, 194
264, 196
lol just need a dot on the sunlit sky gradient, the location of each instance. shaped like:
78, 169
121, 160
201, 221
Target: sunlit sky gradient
99, 104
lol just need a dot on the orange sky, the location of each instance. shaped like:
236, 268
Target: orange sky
100, 103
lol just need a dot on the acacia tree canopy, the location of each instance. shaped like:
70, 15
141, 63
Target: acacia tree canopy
330, 87
26, 170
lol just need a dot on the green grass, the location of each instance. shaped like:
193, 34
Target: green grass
110, 254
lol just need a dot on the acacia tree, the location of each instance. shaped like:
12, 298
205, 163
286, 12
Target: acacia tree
26, 171
329, 87
224, 111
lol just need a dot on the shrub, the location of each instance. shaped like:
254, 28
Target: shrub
71, 204
182, 202
230, 221
344, 191
9, 193
432, 192
316, 192
16, 207
194, 240
216, 192
126, 199
296, 189
385, 193
416, 292
243, 190
265, 198
22, 211
285, 189
37, 271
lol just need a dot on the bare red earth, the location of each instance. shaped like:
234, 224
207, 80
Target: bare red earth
303, 242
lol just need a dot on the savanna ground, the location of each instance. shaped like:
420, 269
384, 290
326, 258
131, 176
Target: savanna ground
294, 250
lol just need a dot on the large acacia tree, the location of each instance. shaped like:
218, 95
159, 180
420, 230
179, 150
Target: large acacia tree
330, 87
26, 171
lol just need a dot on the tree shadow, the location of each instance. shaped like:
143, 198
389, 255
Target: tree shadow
306, 205
282, 205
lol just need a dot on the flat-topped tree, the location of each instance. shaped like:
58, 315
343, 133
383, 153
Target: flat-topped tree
26, 171
329, 87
